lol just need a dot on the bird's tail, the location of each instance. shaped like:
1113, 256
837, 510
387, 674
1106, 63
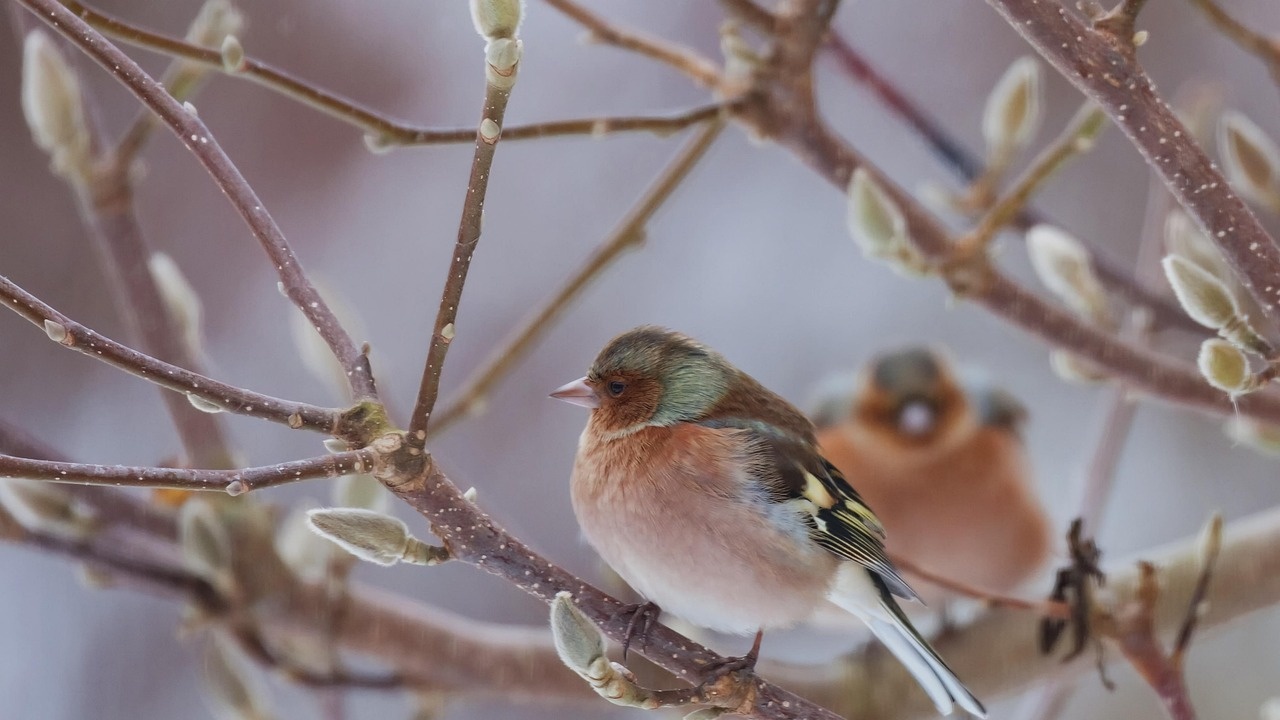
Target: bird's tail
862, 593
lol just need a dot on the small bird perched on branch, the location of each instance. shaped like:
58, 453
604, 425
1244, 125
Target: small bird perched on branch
932, 456
707, 493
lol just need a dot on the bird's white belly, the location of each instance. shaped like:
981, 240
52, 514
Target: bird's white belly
713, 559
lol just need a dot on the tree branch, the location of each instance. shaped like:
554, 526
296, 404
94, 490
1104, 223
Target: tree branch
232, 482
1103, 67
697, 68
629, 233
970, 167
73, 335
497, 92
1266, 48
197, 138
385, 131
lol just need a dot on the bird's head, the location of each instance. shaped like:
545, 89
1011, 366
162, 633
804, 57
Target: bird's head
911, 399
649, 376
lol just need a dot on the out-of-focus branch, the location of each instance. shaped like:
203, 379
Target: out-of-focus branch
996, 655
697, 68
969, 167
232, 482
197, 138
1102, 65
500, 78
384, 131
1049, 608
216, 395
629, 233
1266, 48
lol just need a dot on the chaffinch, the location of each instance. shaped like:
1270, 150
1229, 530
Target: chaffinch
944, 467
707, 493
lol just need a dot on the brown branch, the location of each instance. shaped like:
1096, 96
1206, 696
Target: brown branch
233, 482
496, 95
1133, 628
1104, 69
197, 138
969, 167
699, 69
1045, 609
385, 131
629, 233
106, 207
75, 336
1266, 48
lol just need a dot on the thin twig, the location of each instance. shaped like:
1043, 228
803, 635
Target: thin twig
1110, 76
234, 482
496, 96
1266, 48
386, 131
969, 167
629, 233
200, 141
75, 336
699, 69
1043, 608
1075, 139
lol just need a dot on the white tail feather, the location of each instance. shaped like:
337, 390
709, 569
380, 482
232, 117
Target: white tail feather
855, 591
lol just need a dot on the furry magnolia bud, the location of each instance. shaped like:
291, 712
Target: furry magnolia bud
230, 684
878, 226
373, 536
497, 18
1013, 111
206, 546
53, 105
578, 642
43, 506
1225, 367
1250, 158
1202, 295
1263, 437
1065, 267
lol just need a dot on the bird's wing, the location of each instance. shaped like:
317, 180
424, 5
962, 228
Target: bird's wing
794, 473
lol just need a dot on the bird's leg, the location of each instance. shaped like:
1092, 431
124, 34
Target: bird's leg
641, 617
747, 662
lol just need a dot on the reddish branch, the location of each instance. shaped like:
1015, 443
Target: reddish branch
234, 482
197, 138
75, 336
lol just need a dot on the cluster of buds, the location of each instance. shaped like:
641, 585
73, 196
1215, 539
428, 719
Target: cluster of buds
1209, 301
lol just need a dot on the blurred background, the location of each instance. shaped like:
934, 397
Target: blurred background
751, 256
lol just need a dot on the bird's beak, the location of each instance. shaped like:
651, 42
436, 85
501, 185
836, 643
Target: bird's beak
578, 392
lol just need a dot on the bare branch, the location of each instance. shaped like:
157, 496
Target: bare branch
75, 336
1049, 608
699, 69
200, 141
1266, 48
497, 92
1118, 280
629, 233
1108, 74
232, 482
386, 131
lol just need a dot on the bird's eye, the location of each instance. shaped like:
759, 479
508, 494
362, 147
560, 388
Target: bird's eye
616, 387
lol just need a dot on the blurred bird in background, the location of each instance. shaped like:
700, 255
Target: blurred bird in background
707, 493
942, 465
